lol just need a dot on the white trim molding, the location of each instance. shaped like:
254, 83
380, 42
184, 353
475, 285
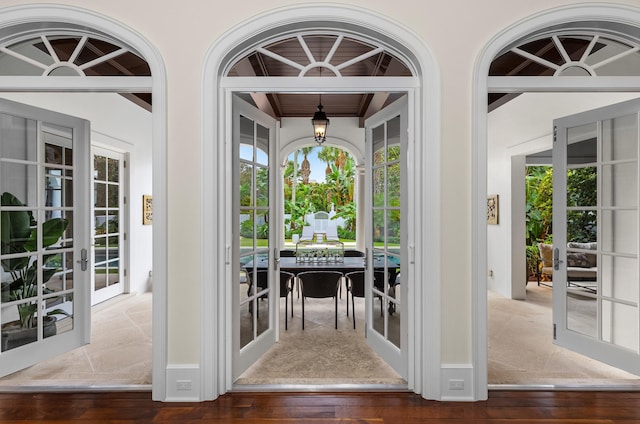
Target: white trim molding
425, 323
39, 16
457, 382
607, 16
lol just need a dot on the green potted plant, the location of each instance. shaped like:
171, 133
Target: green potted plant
19, 235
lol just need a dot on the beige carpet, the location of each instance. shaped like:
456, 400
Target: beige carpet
119, 353
521, 350
321, 354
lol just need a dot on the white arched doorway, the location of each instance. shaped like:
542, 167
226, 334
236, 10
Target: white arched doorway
29, 19
424, 358
611, 20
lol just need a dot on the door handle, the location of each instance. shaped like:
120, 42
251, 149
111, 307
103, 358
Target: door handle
556, 259
83, 260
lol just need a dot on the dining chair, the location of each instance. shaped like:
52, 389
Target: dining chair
286, 287
351, 253
318, 285
355, 286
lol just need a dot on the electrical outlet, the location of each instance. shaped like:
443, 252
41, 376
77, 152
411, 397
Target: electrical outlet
456, 384
183, 385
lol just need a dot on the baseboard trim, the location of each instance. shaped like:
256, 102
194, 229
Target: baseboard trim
183, 383
456, 382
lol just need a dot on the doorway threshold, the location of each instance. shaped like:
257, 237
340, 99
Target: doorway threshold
320, 388
568, 387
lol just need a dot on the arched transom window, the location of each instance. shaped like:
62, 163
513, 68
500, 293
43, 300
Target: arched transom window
570, 53
315, 54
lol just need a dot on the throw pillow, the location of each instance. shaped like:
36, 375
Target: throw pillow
578, 260
546, 254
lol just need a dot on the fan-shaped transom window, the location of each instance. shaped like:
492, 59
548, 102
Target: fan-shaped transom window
320, 54
570, 53
55, 54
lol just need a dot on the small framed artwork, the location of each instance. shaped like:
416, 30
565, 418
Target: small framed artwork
147, 209
492, 209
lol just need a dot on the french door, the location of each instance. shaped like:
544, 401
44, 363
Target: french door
254, 181
385, 199
108, 225
44, 222
595, 226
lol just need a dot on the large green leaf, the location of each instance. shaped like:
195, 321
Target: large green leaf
52, 230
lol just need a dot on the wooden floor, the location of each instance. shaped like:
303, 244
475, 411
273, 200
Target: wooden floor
540, 407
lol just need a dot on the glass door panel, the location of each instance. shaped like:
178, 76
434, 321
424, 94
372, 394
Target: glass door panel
108, 216
43, 220
595, 195
386, 141
254, 315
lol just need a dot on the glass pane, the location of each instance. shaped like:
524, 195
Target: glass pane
113, 170
378, 227
100, 276
393, 139
262, 148
378, 314
14, 336
262, 317
582, 314
621, 182
619, 231
246, 185
68, 232
378, 145
68, 156
393, 229
395, 318
100, 168
262, 186
393, 185
378, 186
246, 322
100, 221
582, 226
61, 308
54, 273
53, 190
100, 195
53, 154
113, 222
582, 144
262, 228
619, 277
582, 186
247, 232
20, 181
620, 324
67, 193
620, 138
246, 139
113, 192
18, 138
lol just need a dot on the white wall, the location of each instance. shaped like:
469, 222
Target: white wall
120, 125
523, 126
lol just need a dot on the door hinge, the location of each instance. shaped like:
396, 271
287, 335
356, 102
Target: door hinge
365, 329
555, 133
124, 163
124, 200
124, 235
125, 272
554, 332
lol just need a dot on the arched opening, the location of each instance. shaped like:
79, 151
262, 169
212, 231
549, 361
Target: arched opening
218, 87
46, 50
526, 57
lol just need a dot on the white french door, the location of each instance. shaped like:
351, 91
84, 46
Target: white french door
44, 223
254, 235
385, 199
109, 217
595, 224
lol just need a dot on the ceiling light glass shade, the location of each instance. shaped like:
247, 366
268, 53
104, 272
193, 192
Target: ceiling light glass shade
320, 122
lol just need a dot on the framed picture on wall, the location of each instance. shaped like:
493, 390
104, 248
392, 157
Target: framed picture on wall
147, 209
492, 209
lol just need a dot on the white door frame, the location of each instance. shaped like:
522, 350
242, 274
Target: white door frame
482, 85
39, 15
424, 124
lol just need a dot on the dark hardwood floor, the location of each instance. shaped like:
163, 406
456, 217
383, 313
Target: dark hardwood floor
540, 407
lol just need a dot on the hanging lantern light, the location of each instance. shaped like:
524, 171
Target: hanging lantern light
320, 123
